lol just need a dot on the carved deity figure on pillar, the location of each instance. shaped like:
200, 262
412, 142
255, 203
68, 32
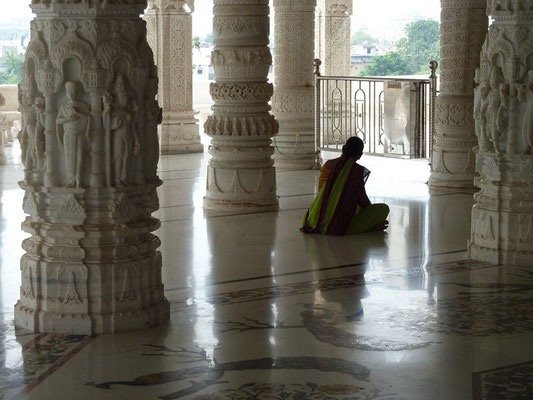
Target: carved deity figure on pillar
40, 142
27, 136
525, 93
119, 121
154, 114
74, 132
491, 108
481, 92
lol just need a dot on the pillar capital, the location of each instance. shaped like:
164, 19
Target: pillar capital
172, 6
336, 8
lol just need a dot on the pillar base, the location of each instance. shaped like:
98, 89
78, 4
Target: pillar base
88, 324
181, 139
500, 257
445, 184
242, 207
502, 218
283, 164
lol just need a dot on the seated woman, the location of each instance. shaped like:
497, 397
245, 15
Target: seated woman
342, 206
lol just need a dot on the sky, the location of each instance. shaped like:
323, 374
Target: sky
370, 15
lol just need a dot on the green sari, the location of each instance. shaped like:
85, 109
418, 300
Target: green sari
342, 206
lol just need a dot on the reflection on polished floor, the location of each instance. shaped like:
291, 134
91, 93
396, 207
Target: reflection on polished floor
261, 311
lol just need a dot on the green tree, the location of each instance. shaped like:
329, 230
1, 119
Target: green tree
12, 63
422, 44
209, 38
363, 38
393, 63
196, 42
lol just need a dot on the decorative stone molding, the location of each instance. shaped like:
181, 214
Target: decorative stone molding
333, 36
502, 218
90, 151
169, 25
293, 101
463, 28
241, 175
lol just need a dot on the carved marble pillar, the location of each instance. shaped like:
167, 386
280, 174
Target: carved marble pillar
334, 36
293, 101
463, 28
241, 175
90, 150
169, 25
502, 218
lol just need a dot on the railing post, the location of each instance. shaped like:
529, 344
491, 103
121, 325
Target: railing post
433, 65
318, 158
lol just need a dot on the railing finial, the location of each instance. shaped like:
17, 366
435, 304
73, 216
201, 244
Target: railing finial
433, 65
317, 63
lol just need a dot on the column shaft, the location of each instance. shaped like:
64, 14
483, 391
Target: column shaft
241, 174
89, 144
293, 101
169, 25
502, 218
334, 36
463, 28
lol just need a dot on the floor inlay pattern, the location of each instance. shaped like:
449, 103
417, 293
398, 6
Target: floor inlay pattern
513, 382
42, 355
307, 391
261, 311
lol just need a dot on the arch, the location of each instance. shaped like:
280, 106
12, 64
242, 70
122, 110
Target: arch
72, 46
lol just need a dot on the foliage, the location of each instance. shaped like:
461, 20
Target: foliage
196, 42
363, 38
12, 63
209, 38
393, 63
421, 45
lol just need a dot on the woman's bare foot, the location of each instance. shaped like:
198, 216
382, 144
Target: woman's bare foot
380, 227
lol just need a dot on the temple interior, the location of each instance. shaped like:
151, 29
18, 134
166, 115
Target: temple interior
147, 255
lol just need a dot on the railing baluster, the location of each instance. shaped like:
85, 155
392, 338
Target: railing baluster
343, 110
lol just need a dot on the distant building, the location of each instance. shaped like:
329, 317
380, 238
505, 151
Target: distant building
201, 59
361, 56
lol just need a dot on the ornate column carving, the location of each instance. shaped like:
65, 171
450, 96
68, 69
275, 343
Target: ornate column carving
502, 218
169, 24
90, 151
293, 101
463, 28
241, 174
334, 36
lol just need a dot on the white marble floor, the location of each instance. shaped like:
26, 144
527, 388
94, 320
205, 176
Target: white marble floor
261, 311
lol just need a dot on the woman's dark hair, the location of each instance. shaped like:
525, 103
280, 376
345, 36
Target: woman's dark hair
354, 147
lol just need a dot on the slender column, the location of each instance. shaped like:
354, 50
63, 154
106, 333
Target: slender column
3, 126
463, 28
293, 101
502, 218
169, 25
89, 143
241, 174
334, 36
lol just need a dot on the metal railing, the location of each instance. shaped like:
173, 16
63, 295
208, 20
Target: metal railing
356, 106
